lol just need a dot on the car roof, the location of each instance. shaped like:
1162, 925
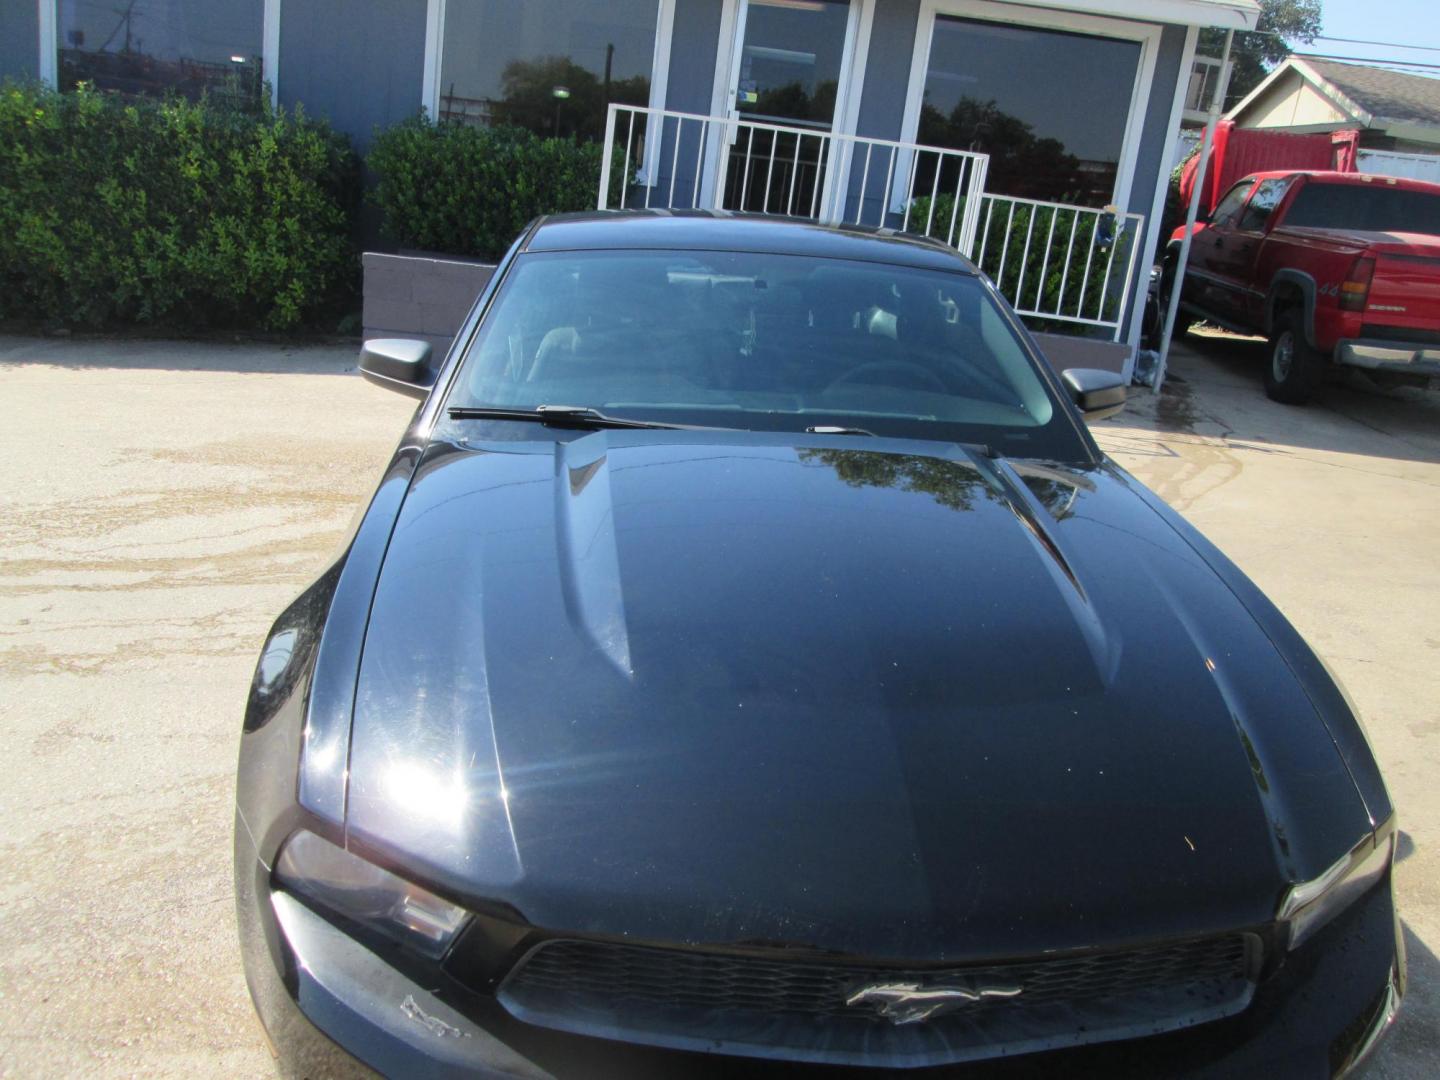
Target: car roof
1326, 176
720, 230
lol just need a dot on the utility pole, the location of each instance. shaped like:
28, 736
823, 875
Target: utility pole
1217, 105
125, 17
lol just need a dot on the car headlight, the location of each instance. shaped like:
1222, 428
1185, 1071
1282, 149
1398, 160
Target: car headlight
1311, 904
348, 885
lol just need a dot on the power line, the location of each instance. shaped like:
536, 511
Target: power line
1382, 44
1345, 40
1366, 60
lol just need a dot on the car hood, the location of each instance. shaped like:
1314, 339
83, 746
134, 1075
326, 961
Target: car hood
872, 696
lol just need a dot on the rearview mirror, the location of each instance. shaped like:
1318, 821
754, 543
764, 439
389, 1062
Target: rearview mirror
398, 364
1097, 393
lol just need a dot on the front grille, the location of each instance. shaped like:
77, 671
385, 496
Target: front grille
783, 1007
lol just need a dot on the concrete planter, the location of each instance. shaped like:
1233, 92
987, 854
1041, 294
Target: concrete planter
1067, 352
420, 296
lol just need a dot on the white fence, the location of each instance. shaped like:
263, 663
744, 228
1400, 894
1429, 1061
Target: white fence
1055, 263
1060, 263
1390, 163
677, 160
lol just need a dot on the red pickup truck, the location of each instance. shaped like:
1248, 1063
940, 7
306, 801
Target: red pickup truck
1336, 269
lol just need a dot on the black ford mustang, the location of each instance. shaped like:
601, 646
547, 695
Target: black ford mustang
748, 660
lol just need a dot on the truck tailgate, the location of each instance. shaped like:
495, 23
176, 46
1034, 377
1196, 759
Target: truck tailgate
1405, 290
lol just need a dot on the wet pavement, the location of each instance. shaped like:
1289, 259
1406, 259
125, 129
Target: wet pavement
165, 500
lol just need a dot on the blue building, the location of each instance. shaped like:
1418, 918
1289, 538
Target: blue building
1036, 137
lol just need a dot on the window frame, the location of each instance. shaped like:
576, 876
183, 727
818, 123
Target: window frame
1147, 35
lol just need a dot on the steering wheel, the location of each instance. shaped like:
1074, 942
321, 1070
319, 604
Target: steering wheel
916, 373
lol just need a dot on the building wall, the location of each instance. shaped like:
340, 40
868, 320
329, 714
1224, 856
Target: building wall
1292, 102
1152, 163
692, 55
690, 82
19, 39
1156, 136
358, 65
887, 69
384, 53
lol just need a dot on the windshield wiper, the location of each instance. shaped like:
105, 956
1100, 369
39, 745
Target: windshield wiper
566, 416
830, 429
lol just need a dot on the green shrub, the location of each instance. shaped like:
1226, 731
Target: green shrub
187, 214
470, 190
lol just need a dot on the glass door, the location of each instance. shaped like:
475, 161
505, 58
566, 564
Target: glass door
790, 67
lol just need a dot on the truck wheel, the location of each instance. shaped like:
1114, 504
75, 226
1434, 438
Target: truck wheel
1293, 374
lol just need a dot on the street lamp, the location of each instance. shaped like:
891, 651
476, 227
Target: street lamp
560, 94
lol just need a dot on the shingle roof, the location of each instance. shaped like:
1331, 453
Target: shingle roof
1393, 95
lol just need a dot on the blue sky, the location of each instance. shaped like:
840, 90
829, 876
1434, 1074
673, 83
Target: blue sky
1413, 22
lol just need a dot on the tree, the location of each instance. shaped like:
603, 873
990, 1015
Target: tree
949, 483
1021, 162
529, 100
1282, 22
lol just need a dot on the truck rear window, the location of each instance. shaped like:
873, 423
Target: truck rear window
1365, 208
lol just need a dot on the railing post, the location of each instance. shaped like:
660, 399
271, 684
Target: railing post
1137, 241
979, 172
605, 160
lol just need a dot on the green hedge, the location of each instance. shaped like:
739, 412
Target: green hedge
186, 214
468, 190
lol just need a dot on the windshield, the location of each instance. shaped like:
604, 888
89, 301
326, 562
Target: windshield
760, 341
1365, 208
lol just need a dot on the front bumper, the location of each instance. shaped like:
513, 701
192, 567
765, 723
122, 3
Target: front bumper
330, 1003
1391, 357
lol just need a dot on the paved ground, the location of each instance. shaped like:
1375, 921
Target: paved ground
1333, 510
161, 502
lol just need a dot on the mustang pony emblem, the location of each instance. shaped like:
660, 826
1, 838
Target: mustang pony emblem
910, 1003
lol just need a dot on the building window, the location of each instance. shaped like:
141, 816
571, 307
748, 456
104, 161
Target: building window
791, 60
190, 47
1050, 107
551, 66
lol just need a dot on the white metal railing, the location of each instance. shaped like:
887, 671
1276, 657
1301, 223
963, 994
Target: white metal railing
1054, 262
678, 160
1060, 263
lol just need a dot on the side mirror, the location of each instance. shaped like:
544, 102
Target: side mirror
1097, 393
398, 364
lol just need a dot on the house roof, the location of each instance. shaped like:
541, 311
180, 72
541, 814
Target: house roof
1373, 97
1384, 94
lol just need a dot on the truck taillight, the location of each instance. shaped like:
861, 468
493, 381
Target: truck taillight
1355, 289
